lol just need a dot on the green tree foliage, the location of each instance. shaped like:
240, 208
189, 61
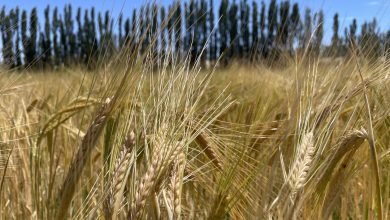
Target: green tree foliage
163, 41
6, 35
233, 29
55, 30
335, 38
319, 33
223, 27
92, 39
120, 27
177, 28
154, 27
352, 40
213, 38
263, 39
272, 24
106, 44
386, 44
203, 29
305, 36
370, 43
29, 40
127, 29
33, 35
239, 31
284, 12
169, 27
294, 26
18, 52
147, 28
133, 30
245, 34
63, 42
255, 28
80, 37
70, 36
192, 44
46, 52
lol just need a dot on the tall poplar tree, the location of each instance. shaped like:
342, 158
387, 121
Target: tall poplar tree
56, 44
319, 33
2, 31
352, 41
18, 52
255, 28
233, 30
147, 28
24, 37
7, 34
294, 26
307, 30
70, 36
170, 24
178, 28
263, 39
203, 27
127, 29
120, 36
272, 24
30, 42
284, 12
155, 36
63, 42
245, 34
81, 53
335, 38
223, 29
163, 33
92, 38
47, 53
213, 38
134, 34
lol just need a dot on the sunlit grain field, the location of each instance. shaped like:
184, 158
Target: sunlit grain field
309, 140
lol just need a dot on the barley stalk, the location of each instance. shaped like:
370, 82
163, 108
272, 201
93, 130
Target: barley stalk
66, 193
335, 187
347, 143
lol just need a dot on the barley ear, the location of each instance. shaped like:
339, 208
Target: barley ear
121, 172
68, 188
177, 184
300, 168
208, 150
299, 173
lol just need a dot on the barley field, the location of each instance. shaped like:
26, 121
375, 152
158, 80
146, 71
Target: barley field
193, 110
309, 140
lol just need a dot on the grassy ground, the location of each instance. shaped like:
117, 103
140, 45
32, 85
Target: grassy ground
306, 141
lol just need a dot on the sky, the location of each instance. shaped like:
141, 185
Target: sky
362, 10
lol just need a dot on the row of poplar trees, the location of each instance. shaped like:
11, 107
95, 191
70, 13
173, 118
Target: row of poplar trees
233, 30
